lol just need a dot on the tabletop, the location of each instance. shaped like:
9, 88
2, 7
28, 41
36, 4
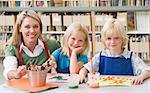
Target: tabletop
84, 88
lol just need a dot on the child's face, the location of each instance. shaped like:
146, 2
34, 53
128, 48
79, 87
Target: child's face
77, 39
113, 41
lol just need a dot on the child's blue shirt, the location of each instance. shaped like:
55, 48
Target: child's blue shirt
63, 62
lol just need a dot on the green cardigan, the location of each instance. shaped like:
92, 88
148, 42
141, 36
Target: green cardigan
12, 51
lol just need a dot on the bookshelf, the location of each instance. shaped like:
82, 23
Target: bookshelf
92, 17
78, 9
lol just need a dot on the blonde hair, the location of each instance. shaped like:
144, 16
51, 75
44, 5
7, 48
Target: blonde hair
72, 28
114, 26
16, 38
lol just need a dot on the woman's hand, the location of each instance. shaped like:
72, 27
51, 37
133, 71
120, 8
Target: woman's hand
16, 74
22, 70
13, 75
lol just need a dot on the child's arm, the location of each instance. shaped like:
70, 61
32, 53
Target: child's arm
75, 66
53, 62
83, 73
50, 64
139, 79
141, 70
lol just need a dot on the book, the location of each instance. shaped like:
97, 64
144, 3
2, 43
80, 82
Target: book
143, 21
131, 21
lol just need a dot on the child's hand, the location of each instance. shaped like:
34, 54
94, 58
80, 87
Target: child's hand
83, 78
82, 75
53, 63
78, 50
50, 63
138, 80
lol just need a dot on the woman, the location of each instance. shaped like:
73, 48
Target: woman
26, 45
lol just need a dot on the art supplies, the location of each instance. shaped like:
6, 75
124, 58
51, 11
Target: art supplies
92, 80
37, 78
34, 67
51, 67
37, 74
73, 81
110, 81
115, 81
57, 78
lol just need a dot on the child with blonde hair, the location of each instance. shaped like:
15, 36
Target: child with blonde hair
73, 54
115, 59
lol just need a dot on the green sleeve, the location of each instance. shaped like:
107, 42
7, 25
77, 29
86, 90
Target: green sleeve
52, 44
10, 50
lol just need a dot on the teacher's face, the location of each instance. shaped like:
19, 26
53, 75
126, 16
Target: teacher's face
30, 29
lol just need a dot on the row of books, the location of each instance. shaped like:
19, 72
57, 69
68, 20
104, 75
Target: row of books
143, 21
97, 3
7, 22
72, 3
26, 3
131, 21
140, 44
60, 23
139, 38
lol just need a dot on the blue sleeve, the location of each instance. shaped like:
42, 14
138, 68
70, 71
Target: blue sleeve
83, 59
56, 54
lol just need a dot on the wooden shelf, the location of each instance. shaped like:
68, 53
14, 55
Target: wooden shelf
78, 9
5, 31
53, 32
130, 32
136, 32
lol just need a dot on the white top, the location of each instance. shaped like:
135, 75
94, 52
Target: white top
13, 64
138, 64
